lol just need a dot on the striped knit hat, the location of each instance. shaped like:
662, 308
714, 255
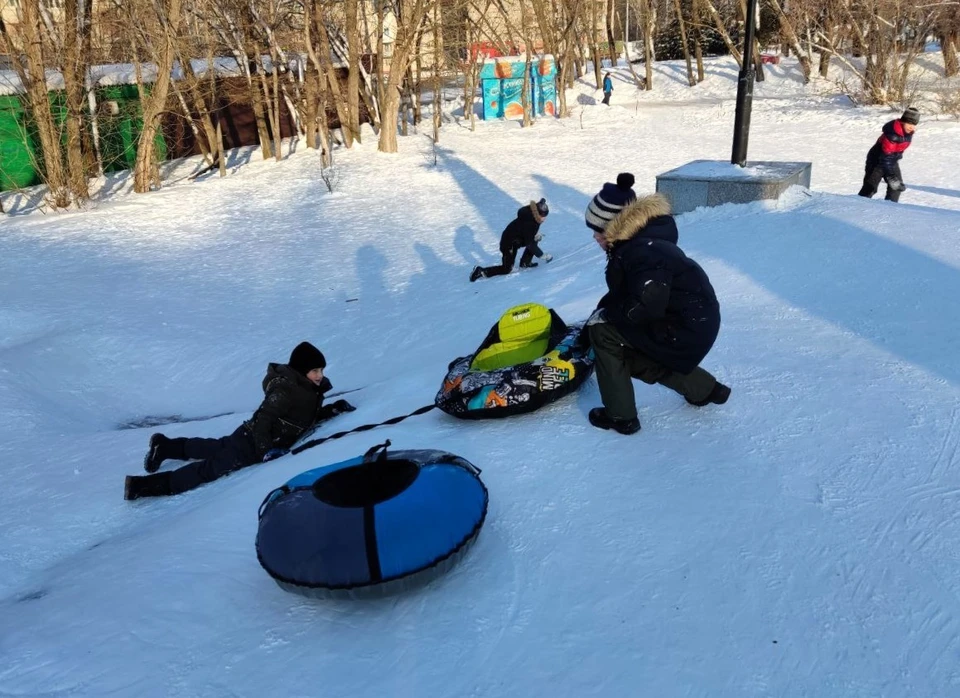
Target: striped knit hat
610, 201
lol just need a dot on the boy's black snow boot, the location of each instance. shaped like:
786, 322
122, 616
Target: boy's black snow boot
477, 273
528, 265
158, 452
158, 485
598, 417
719, 395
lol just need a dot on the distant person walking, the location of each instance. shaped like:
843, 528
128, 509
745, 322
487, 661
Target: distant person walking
607, 89
883, 159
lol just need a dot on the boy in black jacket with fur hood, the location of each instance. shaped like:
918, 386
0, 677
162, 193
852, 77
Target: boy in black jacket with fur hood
522, 231
658, 320
292, 404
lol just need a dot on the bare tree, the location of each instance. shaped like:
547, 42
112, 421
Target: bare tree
648, 13
786, 27
31, 71
682, 25
167, 15
410, 16
710, 9
352, 30
947, 30
75, 65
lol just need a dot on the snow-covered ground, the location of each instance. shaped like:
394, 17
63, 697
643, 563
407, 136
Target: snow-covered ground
801, 540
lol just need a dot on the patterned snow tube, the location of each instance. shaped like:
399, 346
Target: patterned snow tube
471, 394
372, 525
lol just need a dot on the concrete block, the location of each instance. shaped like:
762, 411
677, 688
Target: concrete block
712, 182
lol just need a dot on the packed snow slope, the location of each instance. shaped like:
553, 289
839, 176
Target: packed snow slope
801, 540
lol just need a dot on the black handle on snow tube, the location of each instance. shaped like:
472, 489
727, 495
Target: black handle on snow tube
368, 456
283, 488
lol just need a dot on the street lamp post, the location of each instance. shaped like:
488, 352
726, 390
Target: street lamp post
741, 124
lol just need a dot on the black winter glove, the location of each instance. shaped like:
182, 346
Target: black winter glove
341, 406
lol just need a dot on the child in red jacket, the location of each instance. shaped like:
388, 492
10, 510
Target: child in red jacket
883, 159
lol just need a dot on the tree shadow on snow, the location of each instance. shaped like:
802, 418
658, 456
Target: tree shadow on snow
465, 242
885, 292
495, 205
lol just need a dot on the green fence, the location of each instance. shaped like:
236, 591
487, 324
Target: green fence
119, 122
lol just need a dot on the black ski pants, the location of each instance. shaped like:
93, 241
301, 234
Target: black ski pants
212, 458
874, 174
509, 257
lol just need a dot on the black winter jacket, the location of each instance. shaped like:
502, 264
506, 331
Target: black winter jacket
659, 299
292, 404
522, 230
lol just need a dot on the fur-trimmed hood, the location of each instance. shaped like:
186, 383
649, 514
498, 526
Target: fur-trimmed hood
635, 216
536, 214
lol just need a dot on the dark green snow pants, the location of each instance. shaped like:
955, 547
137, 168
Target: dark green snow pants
618, 361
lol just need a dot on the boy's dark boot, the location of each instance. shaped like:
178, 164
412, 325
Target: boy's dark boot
137, 486
477, 273
719, 395
598, 417
158, 452
528, 265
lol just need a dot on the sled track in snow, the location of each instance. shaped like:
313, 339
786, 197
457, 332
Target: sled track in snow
947, 455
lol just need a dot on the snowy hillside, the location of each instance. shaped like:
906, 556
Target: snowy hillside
799, 541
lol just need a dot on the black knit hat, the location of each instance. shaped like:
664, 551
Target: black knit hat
542, 208
625, 180
911, 116
608, 204
306, 357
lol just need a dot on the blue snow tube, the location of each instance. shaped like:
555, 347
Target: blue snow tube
372, 525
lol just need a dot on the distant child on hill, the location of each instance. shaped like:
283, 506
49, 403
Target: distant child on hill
883, 159
607, 89
523, 231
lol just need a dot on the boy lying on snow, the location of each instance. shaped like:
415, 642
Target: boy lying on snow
292, 404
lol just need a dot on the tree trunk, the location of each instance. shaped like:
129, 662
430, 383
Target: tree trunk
323, 126
437, 75
611, 40
683, 40
708, 6
469, 78
697, 16
387, 142
221, 157
649, 28
333, 82
310, 112
145, 173
408, 30
277, 133
949, 43
74, 77
200, 107
352, 28
786, 26
562, 76
595, 44
827, 51
259, 114
36, 87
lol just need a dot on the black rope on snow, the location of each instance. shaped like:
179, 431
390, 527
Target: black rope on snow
364, 427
